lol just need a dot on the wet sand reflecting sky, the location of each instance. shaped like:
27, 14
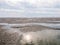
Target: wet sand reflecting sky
46, 36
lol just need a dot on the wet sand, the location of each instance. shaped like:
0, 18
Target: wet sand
11, 38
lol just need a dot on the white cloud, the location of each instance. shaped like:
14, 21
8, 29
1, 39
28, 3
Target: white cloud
48, 12
11, 13
12, 2
1, 0
32, 3
35, 3
29, 8
43, 3
11, 10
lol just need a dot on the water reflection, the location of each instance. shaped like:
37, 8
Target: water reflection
44, 37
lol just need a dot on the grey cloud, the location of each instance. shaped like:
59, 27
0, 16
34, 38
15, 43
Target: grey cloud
28, 5
30, 10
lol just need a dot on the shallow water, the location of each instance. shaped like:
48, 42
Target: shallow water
13, 36
50, 25
44, 37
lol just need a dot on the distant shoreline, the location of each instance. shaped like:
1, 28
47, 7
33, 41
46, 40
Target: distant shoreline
27, 20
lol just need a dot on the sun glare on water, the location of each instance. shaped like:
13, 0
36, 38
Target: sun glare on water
27, 38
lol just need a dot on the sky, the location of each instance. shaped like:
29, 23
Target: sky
29, 8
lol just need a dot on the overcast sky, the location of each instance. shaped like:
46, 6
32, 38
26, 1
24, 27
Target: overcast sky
29, 8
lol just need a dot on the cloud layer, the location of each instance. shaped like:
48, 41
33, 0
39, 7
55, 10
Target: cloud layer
30, 8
